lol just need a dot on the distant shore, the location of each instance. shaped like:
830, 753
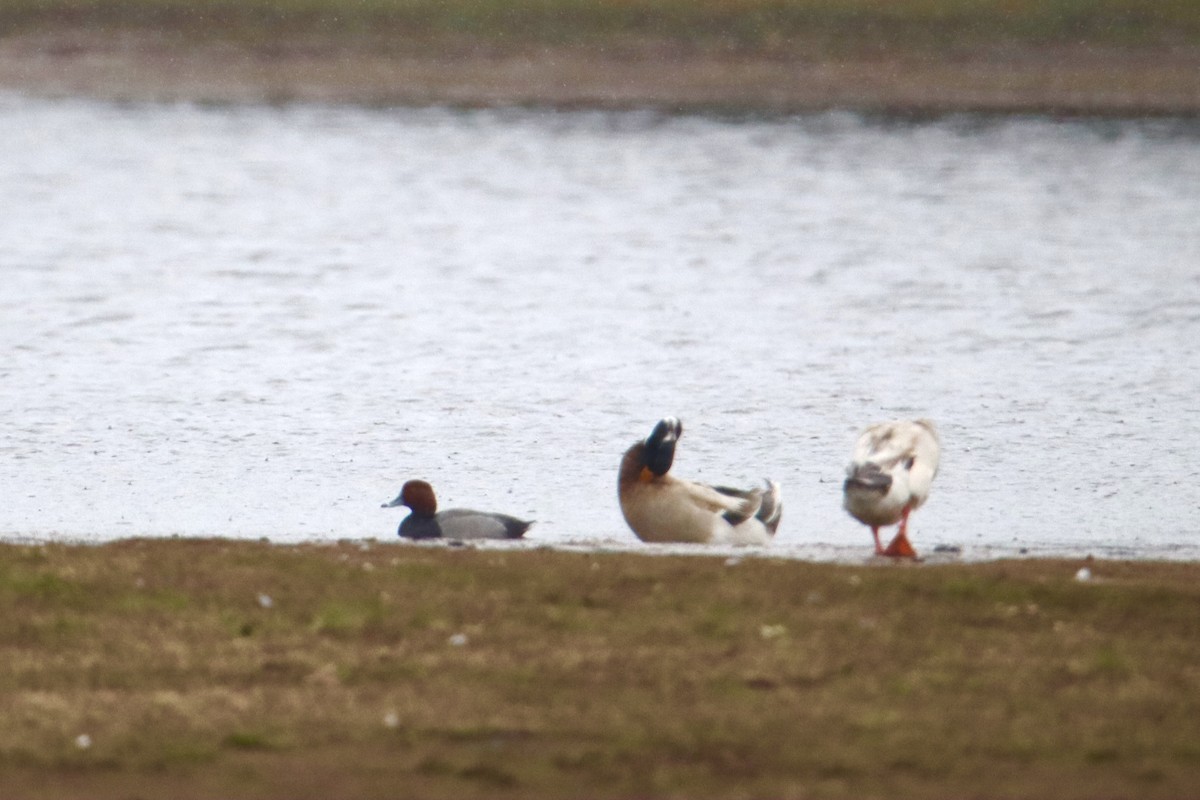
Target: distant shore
159, 66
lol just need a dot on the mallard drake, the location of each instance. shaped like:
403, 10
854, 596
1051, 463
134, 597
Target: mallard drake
662, 508
893, 467
426, 522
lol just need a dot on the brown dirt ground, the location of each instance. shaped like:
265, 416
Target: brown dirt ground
380, 669
154, 66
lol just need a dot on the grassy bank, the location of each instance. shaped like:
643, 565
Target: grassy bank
770, 25
1107, 57
217, 668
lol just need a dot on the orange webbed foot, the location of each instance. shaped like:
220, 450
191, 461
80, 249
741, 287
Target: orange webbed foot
900, 547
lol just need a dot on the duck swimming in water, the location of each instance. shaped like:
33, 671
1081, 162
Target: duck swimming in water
426, 522
662, 508
893, 467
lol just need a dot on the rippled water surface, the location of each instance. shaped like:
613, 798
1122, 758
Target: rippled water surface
260, 321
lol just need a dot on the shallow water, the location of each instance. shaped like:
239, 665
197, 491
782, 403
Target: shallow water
247, 322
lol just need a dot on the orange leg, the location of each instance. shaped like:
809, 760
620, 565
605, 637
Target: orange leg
900, 546
878, 544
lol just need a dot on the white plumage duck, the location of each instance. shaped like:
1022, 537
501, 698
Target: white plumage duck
894, 465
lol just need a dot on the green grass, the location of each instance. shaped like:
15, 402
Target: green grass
598, 675
772, 25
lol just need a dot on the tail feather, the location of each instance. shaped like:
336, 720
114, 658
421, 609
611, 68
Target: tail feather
747, 507
516, 528
765, 505
771, 509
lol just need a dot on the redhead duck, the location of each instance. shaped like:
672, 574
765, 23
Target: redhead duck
893, 467
426, 522
662, 508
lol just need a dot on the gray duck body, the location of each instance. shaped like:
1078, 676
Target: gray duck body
462, 523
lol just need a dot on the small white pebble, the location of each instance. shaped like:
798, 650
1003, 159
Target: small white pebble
83, 741
391, 720
458, 640
733, 561
1084, 574
772, 631
265, 601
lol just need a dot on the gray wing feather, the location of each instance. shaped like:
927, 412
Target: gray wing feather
467, 524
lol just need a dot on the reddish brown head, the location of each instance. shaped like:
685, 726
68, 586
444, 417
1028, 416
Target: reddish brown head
417, 495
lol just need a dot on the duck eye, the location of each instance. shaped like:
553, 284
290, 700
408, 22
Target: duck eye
909, 463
